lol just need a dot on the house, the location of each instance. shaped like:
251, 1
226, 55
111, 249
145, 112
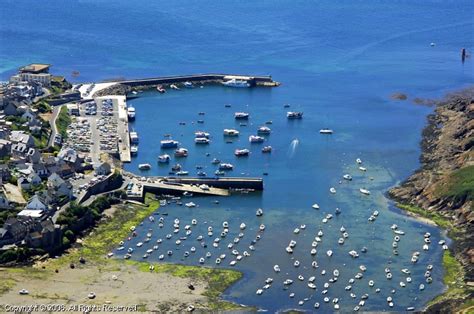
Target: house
59, 187
5, 173
11, 108
19, 150
33, 155
4, 204
103, 169
45, 235
40, 170
35, 72
5, 148
65, 171
34, 179
70, 157
24, 184
15, 230
35, 214
36, 203
28, 115
22, 137
73, 109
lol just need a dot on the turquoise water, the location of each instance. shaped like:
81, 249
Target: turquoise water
338, 62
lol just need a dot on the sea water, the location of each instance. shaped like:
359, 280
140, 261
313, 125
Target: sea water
338, 62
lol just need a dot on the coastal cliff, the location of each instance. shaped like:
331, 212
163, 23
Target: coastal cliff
443, 188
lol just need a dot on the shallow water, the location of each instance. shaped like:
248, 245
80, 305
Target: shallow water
338, 62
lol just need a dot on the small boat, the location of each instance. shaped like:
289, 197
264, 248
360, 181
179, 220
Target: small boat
201, 140
161, 89
364, 191
181, 152
231, 132
294, 115
215, 161
326, 131
236, 83
202, 134
201, 174
347, 177
332, 190
241, 115
264, 130
144, 166
131, 112
241, 152
164, 158
174, 86
188, 85
134, 149
169, 144
176, 167
267, 149
362, 169
359, 161
256, 139
226, 166
276, 268
182, 173
134, 137
190, 204
227, 105
315, 206
259, 212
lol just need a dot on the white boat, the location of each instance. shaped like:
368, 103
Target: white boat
241, 115
144, 166
181, 152
134, 137
241, 152
134, 149
315, 206
226, 166
131, 112
174, 86
188, 84
347, 177
201, 140
164, 158
190, 204
236, 83
264, 130
202, 134
267, 149
332, 190
182, 173
362, 169
359, 161
169, 144
294, 115
256, 139
259, 212
364, 191
231, 132
326, 131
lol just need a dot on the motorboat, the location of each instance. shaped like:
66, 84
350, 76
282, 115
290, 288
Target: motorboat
226, 166
362, 169
231, 132
201, 173
332, 190
134, 149
174, 86
181, 152
161, 89
169, 144
241, 152
259, 212
176, 167
347, 177
164, 158
188, 85
202, 134
359, 161
190, 204
264, 130
364, 191
294, 115
256, 139
315, 206
144, 166
236, 83
267, 149
134, 137
131, 112
182, 173
219, 173
201, 140
326, 131
241, 115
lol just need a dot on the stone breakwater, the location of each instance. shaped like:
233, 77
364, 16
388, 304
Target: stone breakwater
447, 148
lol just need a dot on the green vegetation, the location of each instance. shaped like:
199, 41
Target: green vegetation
459, 186
62, 121
43, 106
436, 217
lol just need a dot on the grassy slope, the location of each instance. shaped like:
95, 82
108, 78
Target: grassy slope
62, 121
459, 185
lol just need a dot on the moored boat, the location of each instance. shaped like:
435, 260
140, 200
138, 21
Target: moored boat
131, 112
267, 149
236, 83
181, 152
241, 152
134, 149
161, 89
326, 131
241, 115
231, 132
294, 115
134, 137
256, 139
226, 166
202, 134
169, 144
264, 130
201, 140
144, 166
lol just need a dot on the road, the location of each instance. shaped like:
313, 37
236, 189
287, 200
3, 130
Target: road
52, 122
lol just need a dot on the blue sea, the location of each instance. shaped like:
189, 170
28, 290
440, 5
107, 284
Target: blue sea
338, 62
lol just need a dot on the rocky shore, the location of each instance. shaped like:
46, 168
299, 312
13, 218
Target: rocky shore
443, 186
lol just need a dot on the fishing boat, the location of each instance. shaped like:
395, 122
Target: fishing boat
231, 132
294, 115
144, 166
267, 149
134, 149
241, 152
201, 140
256, 139
236, 83
131, 112
201, 134
160, 89
264, 130
181, 152
134, 137
326, 131
241, 115
226, 166
164, 158
169, 144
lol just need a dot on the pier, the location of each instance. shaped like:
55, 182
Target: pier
221, 182
265, 80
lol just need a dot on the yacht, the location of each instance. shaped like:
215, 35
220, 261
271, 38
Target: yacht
231, 132
168, 143
131, 112
267, 149
164, 158
241, 152
326, 131
134, 137
181, 152
294, 115
134, 149
201, 134
264, 130
144, 166
226, 166
236, 83
201, 140
241, 115
256, 139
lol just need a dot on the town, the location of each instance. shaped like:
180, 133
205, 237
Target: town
50, 162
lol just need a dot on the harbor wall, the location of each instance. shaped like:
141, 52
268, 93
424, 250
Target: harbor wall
222, 183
